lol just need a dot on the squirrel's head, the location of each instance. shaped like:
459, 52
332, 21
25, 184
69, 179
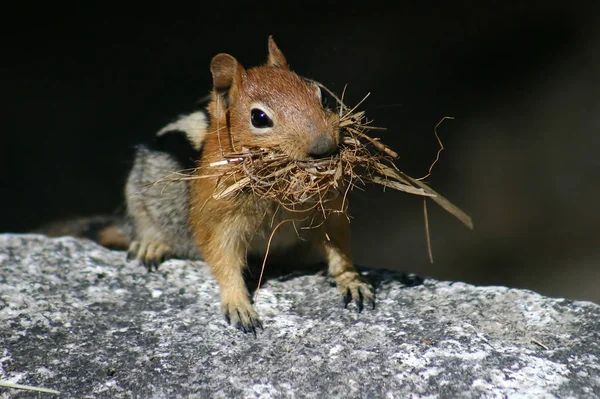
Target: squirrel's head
271, 106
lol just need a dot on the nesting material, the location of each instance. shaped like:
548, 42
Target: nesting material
361, 160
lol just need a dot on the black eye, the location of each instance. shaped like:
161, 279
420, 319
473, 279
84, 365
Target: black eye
260, 119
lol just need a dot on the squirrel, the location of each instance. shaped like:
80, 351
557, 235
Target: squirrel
264, 106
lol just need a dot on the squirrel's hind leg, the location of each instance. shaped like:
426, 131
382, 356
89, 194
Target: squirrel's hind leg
158, 208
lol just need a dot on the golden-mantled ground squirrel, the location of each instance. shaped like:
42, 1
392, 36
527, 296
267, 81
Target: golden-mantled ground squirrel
264, 106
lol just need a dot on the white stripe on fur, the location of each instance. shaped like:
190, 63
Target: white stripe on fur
194, 125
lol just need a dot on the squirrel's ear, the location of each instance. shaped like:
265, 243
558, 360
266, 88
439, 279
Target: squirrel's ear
226, 72
276, 57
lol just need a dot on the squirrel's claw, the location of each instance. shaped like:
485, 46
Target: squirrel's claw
354, 288
150, 253
133, 250
246, 320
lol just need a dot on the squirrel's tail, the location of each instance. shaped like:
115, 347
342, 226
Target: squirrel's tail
182, 139
109, 231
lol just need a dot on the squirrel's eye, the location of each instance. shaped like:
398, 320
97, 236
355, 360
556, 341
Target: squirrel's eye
260, 119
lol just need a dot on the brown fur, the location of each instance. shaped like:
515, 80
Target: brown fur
228, 229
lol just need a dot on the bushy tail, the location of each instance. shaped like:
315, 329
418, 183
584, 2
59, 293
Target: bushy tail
109, 231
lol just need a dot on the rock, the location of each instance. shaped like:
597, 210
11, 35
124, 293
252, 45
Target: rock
75, 317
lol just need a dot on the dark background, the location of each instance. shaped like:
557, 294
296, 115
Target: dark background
82, 85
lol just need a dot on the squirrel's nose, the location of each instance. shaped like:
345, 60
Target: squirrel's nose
321, 146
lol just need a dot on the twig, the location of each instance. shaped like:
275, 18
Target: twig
437, 157
378, 145
535, 341
7, 384
427, 235
262, 269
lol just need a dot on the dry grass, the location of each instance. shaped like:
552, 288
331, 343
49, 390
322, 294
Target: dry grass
361, 160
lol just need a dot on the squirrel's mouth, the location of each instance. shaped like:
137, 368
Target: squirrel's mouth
307, 158
328, 156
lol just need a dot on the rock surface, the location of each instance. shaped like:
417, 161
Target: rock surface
77, 318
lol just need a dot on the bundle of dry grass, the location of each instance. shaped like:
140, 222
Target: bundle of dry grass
362, 159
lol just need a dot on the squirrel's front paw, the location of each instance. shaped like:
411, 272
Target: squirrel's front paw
354, 288
151, 253
238, 312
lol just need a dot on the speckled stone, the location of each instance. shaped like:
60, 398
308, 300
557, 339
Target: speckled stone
77, 318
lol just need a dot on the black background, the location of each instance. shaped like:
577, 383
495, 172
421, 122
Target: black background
82, 84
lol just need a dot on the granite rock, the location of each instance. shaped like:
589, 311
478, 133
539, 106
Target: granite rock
77, 318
